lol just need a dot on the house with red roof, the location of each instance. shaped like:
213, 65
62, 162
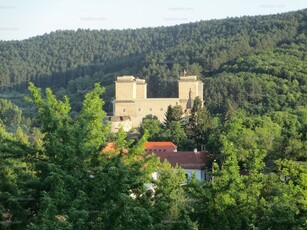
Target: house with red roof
161, 146
193, 162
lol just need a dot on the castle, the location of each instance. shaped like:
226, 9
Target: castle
131, 104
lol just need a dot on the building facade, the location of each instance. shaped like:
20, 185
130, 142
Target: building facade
192, 162
131, 98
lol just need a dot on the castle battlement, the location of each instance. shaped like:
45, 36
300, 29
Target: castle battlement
188, 78
140, 81
125, 79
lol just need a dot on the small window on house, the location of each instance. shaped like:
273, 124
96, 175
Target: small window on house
121, 118
150, 109
161, 109
124, 110
139, 109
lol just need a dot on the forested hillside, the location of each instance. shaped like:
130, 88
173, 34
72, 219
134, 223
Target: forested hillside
55, 174
71, 61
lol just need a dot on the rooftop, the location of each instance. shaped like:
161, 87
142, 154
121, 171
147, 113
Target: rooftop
186, 159
160, 146
112, 148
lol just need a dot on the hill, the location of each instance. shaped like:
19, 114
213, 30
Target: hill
71, 61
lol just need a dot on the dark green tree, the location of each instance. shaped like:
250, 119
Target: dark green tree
152, 125
199, 123
173, 114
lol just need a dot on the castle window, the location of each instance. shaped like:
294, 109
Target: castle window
139, 109
124, 110
150, 109
161, 109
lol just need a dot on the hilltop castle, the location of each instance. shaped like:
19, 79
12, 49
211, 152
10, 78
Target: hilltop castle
131, 104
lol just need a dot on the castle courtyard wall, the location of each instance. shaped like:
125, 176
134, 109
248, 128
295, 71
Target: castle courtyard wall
138, 109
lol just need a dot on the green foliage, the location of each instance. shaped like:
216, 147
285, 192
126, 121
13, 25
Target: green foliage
251, 84
173, 114
175, 133
199, 123
170, 202
55, 176
72, 61
61, 179
10, 114
257, 200
152, 125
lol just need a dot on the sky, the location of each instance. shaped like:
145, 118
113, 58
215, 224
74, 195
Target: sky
21, 19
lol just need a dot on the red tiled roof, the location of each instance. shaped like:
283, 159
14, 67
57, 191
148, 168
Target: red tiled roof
111, 148
186, 160
160, 146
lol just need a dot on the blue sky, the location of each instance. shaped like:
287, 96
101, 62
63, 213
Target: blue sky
21, 19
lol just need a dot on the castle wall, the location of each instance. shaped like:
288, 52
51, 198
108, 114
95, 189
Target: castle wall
118, 122
138, 109
131, 98
124, 108
141, 89
154, 106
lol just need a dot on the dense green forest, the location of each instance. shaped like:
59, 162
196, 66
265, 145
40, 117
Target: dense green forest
70, 62
53, 174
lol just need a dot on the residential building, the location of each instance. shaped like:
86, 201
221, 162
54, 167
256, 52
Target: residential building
164, 146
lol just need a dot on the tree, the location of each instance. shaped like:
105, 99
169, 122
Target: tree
175, 133
169, 211
10, 114
173, 114
152, 125
70, 148
72, 184
218, 204
199, 123
21, 136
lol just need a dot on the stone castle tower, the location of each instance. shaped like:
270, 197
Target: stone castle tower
131, 102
